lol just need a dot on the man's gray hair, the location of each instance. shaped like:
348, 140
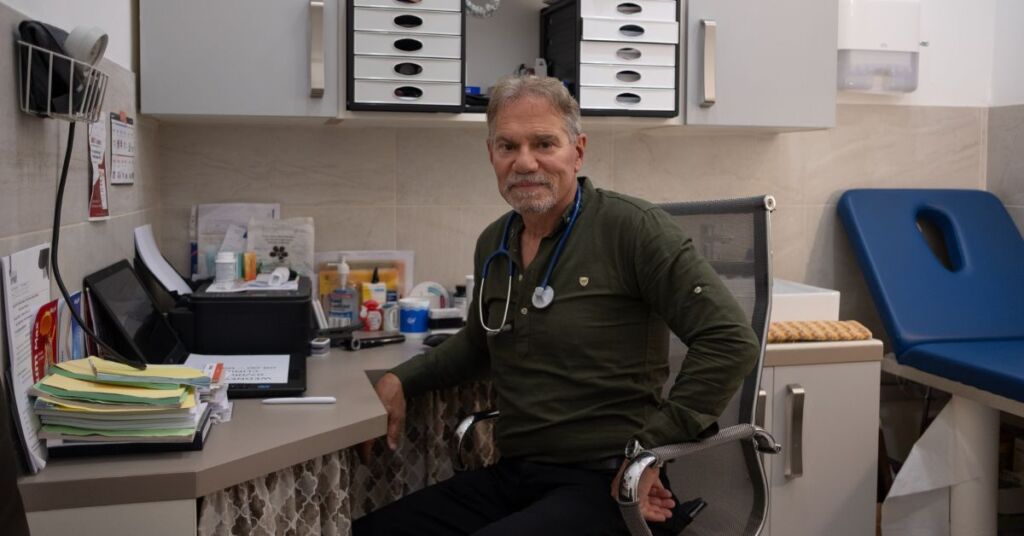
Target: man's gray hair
511, 88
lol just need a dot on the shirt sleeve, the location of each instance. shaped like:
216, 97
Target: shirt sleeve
684, 290
459, 358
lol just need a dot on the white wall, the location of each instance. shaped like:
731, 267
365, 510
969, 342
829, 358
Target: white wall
114, 16
956, 68
1008, 58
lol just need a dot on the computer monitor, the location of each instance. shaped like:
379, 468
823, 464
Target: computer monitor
119, 295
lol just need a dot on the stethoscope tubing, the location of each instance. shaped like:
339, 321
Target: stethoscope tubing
543, 288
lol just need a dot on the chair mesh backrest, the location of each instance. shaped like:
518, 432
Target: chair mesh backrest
733, 235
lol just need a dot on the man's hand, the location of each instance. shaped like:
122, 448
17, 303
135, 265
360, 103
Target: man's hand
656, 501
389, 390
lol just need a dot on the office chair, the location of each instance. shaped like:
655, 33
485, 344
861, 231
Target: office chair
725, 469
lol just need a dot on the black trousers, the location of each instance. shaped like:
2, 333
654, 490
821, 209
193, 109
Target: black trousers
511, 497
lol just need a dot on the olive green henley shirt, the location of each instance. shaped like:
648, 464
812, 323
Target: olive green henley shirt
577, 380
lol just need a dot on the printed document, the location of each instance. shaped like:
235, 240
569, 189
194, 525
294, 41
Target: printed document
26, 286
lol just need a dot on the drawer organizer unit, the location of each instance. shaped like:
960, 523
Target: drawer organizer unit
617, 57
406, 55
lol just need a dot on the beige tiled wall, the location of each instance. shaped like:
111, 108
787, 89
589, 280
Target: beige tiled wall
432, 190
1006, 158
31, 152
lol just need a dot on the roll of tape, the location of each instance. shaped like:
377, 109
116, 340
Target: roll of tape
86, 44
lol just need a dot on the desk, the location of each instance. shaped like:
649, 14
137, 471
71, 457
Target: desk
259, 440
300, 479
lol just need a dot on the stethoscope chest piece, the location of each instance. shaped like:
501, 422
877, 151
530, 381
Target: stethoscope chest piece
543, 296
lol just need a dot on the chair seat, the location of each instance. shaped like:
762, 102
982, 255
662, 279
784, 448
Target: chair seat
996, 366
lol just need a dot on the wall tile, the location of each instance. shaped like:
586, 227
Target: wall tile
1006, 153
789, 243
832, 264
892, 147
664, 168
291, 165
444, 167
435, 234
348, 227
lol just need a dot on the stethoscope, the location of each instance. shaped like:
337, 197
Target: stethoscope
543, 294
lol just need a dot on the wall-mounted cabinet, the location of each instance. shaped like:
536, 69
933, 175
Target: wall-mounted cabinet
762, 64
736, 63
239, 58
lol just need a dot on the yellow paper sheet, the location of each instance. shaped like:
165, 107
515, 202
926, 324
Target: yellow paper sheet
77, 366
152, 371
70, 405
82, 386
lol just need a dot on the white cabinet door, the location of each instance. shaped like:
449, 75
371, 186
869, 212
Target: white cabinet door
237, 57
824, 480
767, 64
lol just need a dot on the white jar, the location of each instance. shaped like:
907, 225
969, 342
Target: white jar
226, 267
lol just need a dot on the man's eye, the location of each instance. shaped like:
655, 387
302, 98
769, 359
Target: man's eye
506, 147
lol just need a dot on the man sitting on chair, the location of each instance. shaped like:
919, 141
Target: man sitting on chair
571, 322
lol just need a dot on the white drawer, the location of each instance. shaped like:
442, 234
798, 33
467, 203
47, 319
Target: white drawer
430, 70
628, 76
627, 53
611, 98
440, 5
406, 21
629, 10
381, 92
408, 45
630, 31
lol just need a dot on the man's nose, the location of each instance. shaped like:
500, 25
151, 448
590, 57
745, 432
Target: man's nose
525, 161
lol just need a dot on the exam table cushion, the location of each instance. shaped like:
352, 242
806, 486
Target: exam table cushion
920, 300
993, 366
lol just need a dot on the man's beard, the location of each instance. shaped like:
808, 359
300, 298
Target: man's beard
533, 202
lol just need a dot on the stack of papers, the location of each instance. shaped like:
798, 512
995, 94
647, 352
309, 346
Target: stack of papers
95, 400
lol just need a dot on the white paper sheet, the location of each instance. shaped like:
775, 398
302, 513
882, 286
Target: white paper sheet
26, 286
918, 502
99, 204
212, 223
145, 244
287, 243
234, 239
246, 368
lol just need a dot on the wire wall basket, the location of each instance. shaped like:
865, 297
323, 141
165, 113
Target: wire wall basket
57, 86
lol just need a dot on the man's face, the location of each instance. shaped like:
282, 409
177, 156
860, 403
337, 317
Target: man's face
535, 164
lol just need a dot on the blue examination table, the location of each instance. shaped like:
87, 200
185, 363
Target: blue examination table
953, 306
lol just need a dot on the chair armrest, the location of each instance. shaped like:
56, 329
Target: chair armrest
629, 485
462, 430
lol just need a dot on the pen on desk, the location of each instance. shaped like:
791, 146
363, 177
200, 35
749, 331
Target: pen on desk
301, 400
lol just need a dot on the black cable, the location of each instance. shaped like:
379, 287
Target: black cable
53, 258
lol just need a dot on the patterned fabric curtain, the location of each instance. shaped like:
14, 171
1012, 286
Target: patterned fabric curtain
323, 495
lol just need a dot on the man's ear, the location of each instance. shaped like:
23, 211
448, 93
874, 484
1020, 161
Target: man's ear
581, 148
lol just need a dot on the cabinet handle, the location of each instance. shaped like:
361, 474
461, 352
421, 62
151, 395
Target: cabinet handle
627, 98
627, 76
316, 49
710, 31
408, 45
628, 8
762, 401
408, 93
408, 69
628, 53
407, 2
631, 30
795, 428
408, 21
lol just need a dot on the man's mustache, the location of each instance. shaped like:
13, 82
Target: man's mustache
518, 178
